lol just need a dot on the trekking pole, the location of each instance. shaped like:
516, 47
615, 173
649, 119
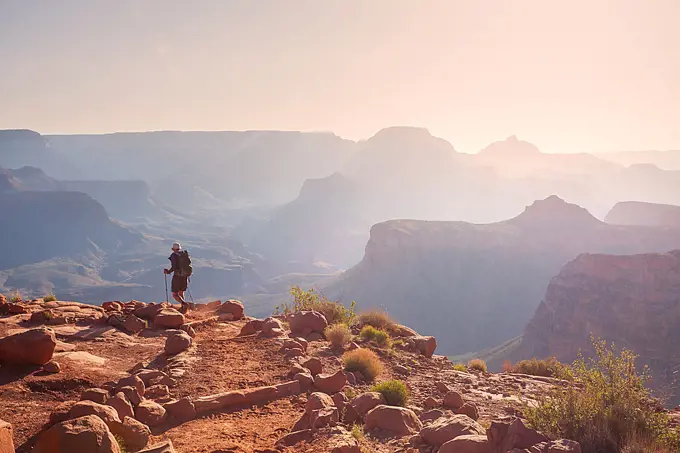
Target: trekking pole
190, 296
167, 299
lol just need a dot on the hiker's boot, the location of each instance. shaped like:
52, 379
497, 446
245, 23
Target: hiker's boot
184, 308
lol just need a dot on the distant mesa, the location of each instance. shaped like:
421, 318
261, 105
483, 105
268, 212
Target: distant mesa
641, 213
481, 281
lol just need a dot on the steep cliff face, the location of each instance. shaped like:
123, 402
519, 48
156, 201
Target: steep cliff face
640, 213
476, 286
37, 226
633, 301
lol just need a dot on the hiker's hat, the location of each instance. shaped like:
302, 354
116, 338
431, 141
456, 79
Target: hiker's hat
176, 246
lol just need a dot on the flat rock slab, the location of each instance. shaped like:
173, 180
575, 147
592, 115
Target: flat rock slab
81, 357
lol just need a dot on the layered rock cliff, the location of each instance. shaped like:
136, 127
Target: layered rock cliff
476, 286
631, 300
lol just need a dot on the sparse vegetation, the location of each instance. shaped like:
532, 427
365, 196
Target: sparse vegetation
380, 337
395, 392
459, 367
121, 444
50, 298
358, 432
335, 312
547, 368
378, 319
610, 411
338, 334
16, 297
365, 361
477, 364
350, 393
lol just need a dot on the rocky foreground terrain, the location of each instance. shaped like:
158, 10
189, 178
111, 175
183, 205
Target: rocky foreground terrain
143, 377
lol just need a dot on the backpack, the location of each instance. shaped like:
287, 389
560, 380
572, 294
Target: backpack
184, 263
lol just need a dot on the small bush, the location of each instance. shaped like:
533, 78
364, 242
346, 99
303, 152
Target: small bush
547, 368
50, 298
378, 319
335, 312
365, 361
611, 412
338, 334
380, 337
459, 367
358, 432
477, 364
16, 297
121, 444
350, 393
395, 392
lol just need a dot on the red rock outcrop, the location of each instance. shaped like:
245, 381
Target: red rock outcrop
632, 300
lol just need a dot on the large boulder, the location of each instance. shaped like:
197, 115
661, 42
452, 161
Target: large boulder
252, 327
467, 443
306, 322
177, 342
445, 429
133, 324
88, 434
453, 400
94, 394
149, 312
507, 435
330, 383
132, 381
163, 447
150, 413
314, 366
83, 408
135, 434
6, 442
122, 406
169, 318
425, 345
363, 403
234, 307
33, 347
397, 420
270, 328
181, 410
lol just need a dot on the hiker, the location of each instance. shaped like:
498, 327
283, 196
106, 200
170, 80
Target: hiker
180, 267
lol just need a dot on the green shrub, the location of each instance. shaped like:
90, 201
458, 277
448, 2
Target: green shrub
358, 432
547, 368
350, 393
335, 312
380, 337
121, 444
477, 364
378, 319
395, 392
611, 411
338, 334
16, 297
50, 298
459, 367
365, 361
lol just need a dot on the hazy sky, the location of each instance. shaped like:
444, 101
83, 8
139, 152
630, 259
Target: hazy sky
571, 75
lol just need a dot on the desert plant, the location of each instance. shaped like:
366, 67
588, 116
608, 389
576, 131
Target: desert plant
365, 361
459, 367
335, 312
609, 411
121, 444
395, 392
16, 297
50, 298
378, 319
547, 368
380, 337
350, 393
477, 364
338, 334
358, 432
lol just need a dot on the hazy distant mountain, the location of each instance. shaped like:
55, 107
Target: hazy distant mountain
667, 160
476, 286
639, 213
41, 225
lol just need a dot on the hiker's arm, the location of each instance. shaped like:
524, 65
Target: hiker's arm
173, 264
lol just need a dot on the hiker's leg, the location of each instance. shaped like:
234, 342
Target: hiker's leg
176, 295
